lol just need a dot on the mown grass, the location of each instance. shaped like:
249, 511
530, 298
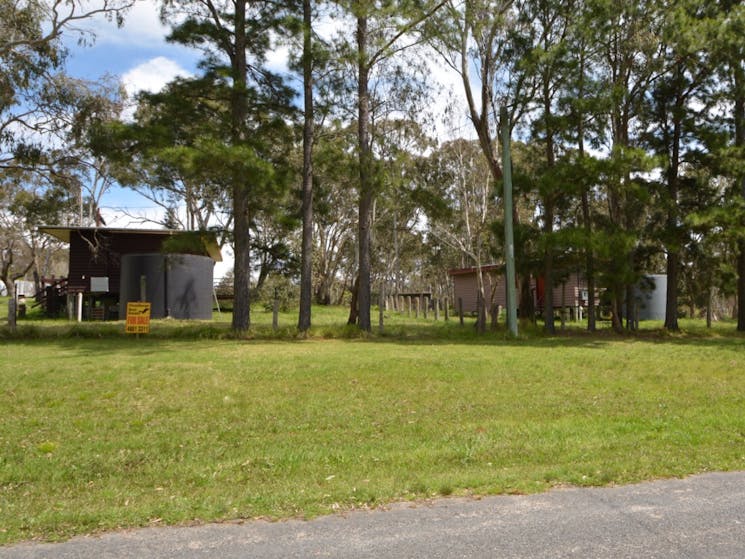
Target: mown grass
109, 432
328, 322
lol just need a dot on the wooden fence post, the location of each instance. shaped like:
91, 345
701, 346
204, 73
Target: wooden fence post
480, 314
12, 313
381, 302
275, 310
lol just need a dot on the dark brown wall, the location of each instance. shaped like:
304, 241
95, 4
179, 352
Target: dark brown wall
97, 253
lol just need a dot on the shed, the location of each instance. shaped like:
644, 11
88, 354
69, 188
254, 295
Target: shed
95, 261
571, 293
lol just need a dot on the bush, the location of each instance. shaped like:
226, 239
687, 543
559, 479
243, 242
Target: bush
281, 288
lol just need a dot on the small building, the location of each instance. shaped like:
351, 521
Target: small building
466, 286
572, 293
104, 263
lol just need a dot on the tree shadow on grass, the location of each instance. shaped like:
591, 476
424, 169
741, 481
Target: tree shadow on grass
104, 337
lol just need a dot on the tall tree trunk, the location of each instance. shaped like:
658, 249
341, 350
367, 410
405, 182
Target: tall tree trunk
673, 251
481, 299
366, 182
585, 199
526, 306
240, 190
741, 286
10, 286
548, 273
306, 265
589, 262
671, 296
739, 85
353, 306
548, 225
631, 308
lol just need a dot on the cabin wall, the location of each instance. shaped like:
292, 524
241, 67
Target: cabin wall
98, 254
568, 294
465, 287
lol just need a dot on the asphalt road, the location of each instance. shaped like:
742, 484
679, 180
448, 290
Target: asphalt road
699, 517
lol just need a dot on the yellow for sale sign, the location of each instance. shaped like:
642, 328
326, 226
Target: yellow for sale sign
138, 318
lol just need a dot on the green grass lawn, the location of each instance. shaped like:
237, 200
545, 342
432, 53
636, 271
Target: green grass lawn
98, 433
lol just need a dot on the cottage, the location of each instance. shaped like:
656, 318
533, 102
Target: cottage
105, 263
571, 293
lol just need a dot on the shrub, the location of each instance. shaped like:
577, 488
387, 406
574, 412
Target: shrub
281, 288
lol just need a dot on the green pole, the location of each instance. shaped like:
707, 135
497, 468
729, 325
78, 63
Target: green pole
509, 239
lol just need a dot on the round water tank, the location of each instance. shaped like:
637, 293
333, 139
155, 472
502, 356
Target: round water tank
176, 285
651, 296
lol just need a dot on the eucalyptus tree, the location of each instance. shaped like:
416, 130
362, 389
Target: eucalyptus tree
382, 30
400, 145
463, 207
33, 85
31, 27
499, 52
478, 37
36, 101
16, 255
93, 104
235, 37
27, 201
334, 173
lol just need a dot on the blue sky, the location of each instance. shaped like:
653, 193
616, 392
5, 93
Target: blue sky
139, 56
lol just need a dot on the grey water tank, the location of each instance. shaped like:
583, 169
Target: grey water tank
176, 285
651, 297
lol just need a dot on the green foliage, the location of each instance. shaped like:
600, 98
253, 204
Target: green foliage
278, 288
187, 242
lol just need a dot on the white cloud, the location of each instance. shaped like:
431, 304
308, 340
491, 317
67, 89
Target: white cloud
228, 261
133, 218
278, 60
152, 75
141, 26
142, 23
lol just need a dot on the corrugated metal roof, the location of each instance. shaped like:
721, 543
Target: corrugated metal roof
484, 268
63, 234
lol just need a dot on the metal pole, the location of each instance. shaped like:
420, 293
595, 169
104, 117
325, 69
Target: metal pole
509, 240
